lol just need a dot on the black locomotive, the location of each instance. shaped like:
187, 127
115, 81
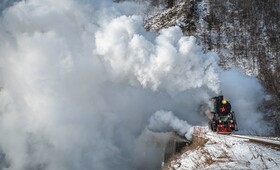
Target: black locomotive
222, 119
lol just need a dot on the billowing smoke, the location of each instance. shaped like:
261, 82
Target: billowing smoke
167, 121
81, 80
6, 3
171, 62
246, 95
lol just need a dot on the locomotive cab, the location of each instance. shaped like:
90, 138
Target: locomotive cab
223, 118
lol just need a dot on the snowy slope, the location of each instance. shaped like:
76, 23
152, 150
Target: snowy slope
227, 152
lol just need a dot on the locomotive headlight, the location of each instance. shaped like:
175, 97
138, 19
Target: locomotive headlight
220, 121
231, 121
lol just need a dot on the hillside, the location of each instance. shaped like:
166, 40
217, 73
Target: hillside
244, 34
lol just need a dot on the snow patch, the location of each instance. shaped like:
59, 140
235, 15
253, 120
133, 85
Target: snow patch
226, 152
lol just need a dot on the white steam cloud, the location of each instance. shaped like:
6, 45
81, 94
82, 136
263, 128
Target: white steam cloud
166, 121
246, 95
81, 79
169, 62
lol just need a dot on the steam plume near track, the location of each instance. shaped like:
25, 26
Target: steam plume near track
81, 79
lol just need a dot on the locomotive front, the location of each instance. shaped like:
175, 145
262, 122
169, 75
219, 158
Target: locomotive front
223, 119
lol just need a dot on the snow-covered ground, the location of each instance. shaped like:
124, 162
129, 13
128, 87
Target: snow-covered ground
227, 152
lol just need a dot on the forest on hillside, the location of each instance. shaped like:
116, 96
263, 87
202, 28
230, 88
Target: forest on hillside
245, 34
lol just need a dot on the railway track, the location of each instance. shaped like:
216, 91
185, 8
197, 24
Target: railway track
267, 142
273, 143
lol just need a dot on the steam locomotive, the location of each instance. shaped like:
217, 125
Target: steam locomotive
222, 119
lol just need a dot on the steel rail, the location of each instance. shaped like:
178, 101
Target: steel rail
267, 142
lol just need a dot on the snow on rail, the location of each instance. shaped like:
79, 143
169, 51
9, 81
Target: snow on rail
259, 140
